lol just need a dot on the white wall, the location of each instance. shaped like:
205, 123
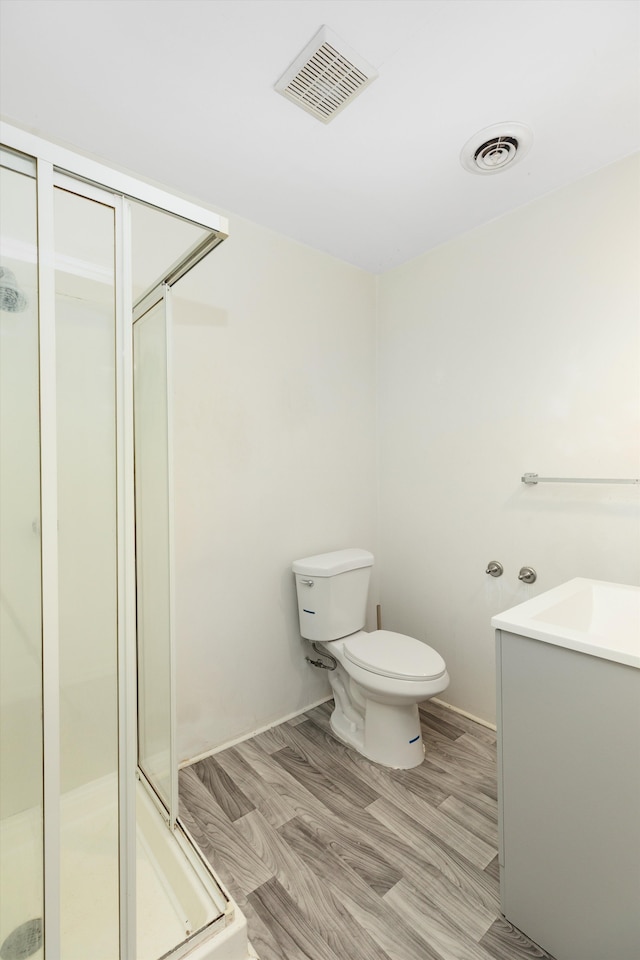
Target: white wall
513, 348
274, 400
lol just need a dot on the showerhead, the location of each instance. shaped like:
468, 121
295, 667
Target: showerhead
12, 299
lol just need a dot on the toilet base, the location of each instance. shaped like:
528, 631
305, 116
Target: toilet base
389, 735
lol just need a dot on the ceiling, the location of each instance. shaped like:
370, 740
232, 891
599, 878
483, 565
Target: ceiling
181, 92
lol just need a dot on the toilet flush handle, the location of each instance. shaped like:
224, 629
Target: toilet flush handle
307, 583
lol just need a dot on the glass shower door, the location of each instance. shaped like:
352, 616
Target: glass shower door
156, 708
21, 734
87, 520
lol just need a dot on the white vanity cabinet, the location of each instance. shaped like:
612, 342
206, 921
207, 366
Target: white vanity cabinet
569, 770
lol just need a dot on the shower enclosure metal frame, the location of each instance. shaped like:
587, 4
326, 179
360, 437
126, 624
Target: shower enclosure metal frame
57, 166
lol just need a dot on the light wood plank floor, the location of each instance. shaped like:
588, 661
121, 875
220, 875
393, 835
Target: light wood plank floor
332, 857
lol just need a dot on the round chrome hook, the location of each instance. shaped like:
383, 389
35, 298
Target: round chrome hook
494, 568
527, 575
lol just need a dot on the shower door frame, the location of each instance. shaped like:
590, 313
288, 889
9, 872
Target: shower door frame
50, 178
58, 166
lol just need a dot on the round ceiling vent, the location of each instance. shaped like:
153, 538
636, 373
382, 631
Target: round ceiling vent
495, 148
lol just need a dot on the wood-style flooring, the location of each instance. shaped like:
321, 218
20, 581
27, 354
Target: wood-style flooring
332, 857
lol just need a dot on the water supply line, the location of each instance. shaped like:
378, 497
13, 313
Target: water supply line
319, 663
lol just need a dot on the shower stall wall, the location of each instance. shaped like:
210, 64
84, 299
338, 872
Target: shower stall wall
95, 862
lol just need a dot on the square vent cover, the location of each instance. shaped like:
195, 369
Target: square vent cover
326, 77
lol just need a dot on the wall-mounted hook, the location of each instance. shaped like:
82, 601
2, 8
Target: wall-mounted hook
494, 569
527, 575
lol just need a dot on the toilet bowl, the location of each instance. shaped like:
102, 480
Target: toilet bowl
379, 677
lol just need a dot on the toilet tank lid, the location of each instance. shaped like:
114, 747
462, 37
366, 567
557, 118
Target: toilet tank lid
331, 564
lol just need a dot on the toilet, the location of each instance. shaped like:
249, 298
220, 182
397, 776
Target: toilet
379, 677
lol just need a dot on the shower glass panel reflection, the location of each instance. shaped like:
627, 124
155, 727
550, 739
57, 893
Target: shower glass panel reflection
21, 753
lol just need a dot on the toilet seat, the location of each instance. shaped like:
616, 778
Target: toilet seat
394, 655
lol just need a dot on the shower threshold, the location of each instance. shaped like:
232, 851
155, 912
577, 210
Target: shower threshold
181, 910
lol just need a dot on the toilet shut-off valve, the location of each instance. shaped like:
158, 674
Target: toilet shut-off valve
320, 663
494, 569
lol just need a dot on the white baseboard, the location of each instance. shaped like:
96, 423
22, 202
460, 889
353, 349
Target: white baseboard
465, 713
297, 713
252, 733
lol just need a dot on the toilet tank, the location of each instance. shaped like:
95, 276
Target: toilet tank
332, 593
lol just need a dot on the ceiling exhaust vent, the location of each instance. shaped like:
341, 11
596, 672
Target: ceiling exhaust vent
326, 77
493, 149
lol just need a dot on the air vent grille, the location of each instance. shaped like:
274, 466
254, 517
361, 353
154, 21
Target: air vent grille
497, 152
497, 147
326, 77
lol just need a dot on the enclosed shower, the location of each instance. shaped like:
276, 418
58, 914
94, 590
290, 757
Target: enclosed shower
95, 862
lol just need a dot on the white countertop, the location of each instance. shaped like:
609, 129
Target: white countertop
592, 616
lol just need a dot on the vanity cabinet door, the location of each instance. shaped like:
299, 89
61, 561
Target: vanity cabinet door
569, 799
